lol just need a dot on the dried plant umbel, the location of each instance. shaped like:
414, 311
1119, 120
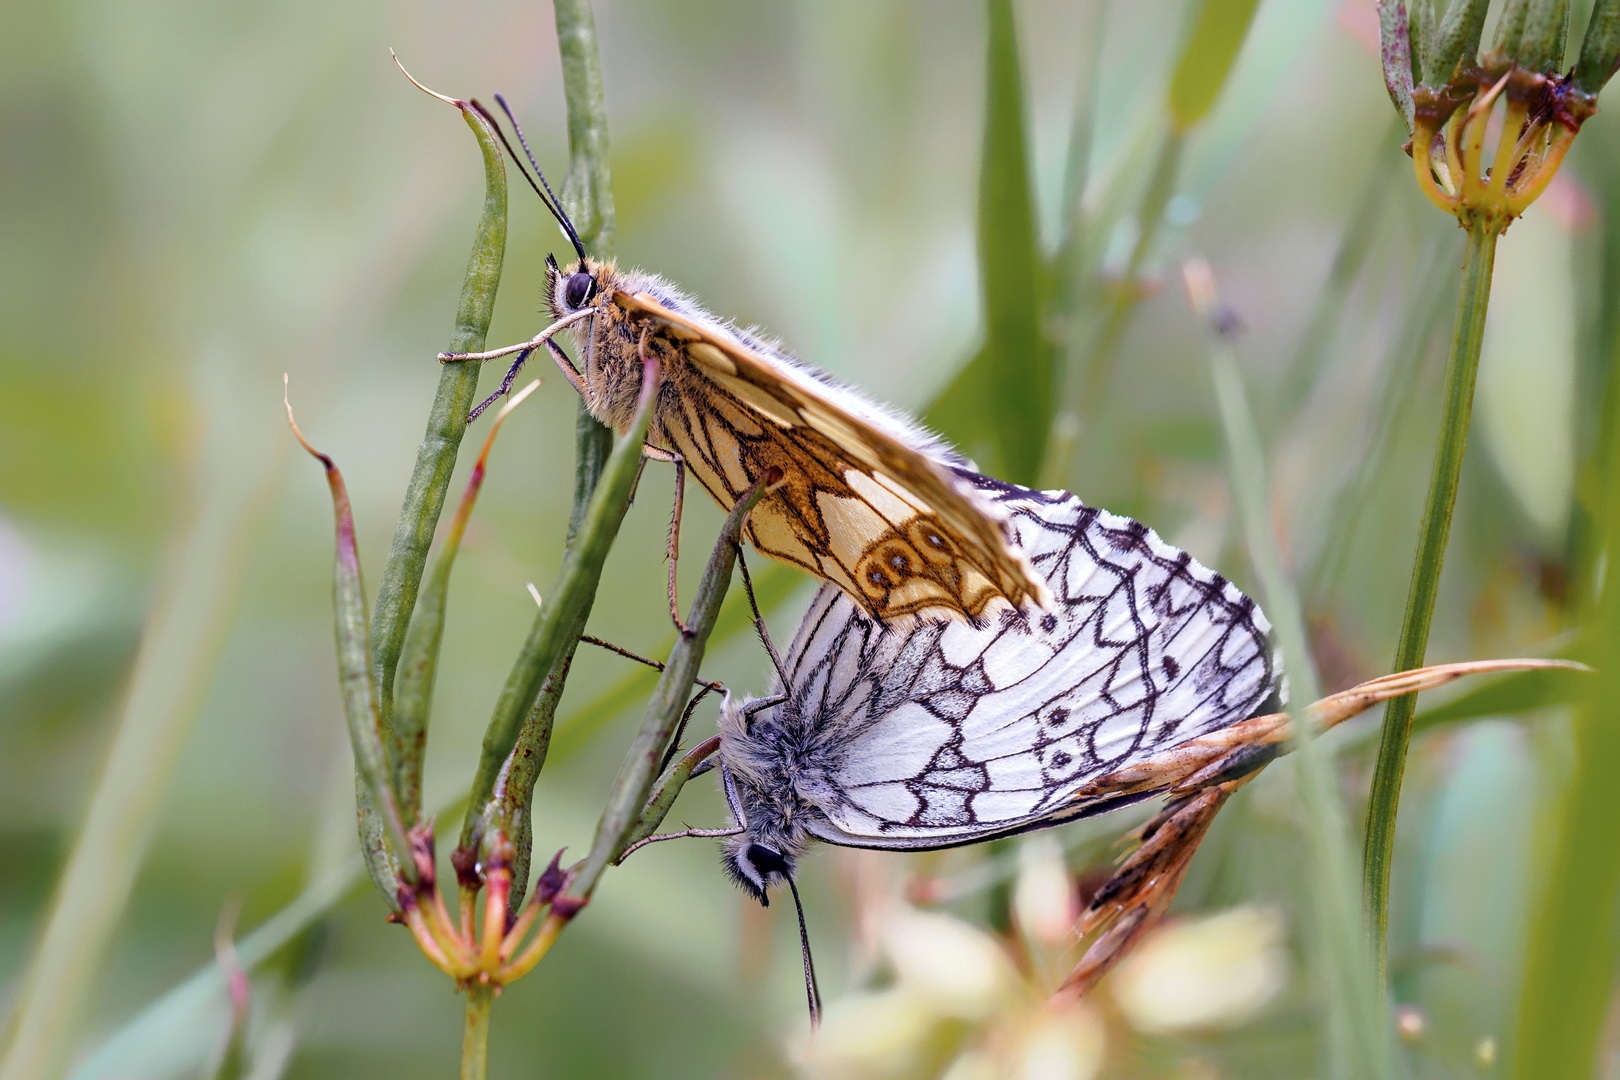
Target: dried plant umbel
388, 657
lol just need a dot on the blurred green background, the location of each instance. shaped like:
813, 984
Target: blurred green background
198, 198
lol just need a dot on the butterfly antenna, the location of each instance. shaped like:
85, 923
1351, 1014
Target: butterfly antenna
511, 151
812, 993
759, 620
555, 204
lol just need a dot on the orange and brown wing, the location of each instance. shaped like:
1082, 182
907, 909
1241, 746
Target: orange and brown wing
891, 526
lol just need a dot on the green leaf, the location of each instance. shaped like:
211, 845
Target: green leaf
1002, 400
420, 659
1207, 58
382, 829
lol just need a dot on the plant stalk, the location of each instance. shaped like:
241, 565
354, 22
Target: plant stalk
1357, 1034
639, 772
1462, 366
475, 1033
447, 423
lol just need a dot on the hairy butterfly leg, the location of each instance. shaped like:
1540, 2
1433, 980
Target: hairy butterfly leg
673, 547
759, 620
505, 387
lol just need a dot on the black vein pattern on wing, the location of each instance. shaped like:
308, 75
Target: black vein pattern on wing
848, 674
687, 427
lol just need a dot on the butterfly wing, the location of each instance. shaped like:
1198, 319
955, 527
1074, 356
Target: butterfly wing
945, 733
897, 529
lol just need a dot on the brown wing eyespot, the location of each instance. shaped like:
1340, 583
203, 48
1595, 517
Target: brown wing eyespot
929, 538
893, 562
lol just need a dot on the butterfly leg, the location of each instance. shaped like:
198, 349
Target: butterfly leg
523, 346
668, 788
566, 366
735, 830
504, 388
673, 548
759, 620
680, 729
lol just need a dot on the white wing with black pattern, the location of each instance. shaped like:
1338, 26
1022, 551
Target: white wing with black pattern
938, 733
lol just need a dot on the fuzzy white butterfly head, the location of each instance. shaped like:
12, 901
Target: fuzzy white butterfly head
766, 855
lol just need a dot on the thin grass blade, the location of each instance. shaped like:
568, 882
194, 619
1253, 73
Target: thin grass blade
1002, 400
1358, 1032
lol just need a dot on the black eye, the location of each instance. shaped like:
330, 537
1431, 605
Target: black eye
767, 861
579, 290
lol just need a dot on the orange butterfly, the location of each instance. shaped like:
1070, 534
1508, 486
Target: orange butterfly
866, 499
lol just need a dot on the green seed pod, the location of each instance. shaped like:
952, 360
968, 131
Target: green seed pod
1510, 27
1546, 27
1456, 41
1600, 51
1396, 54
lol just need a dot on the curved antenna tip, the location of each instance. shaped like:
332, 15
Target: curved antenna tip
457, 102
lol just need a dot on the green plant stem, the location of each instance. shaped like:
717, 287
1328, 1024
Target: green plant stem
628, 797
447, 423
475, 1033
588, 200
1461, 368
1358, 1035
573, 593
588, 193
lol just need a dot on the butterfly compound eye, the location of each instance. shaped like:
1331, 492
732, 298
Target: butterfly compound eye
579, 289
767, 861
